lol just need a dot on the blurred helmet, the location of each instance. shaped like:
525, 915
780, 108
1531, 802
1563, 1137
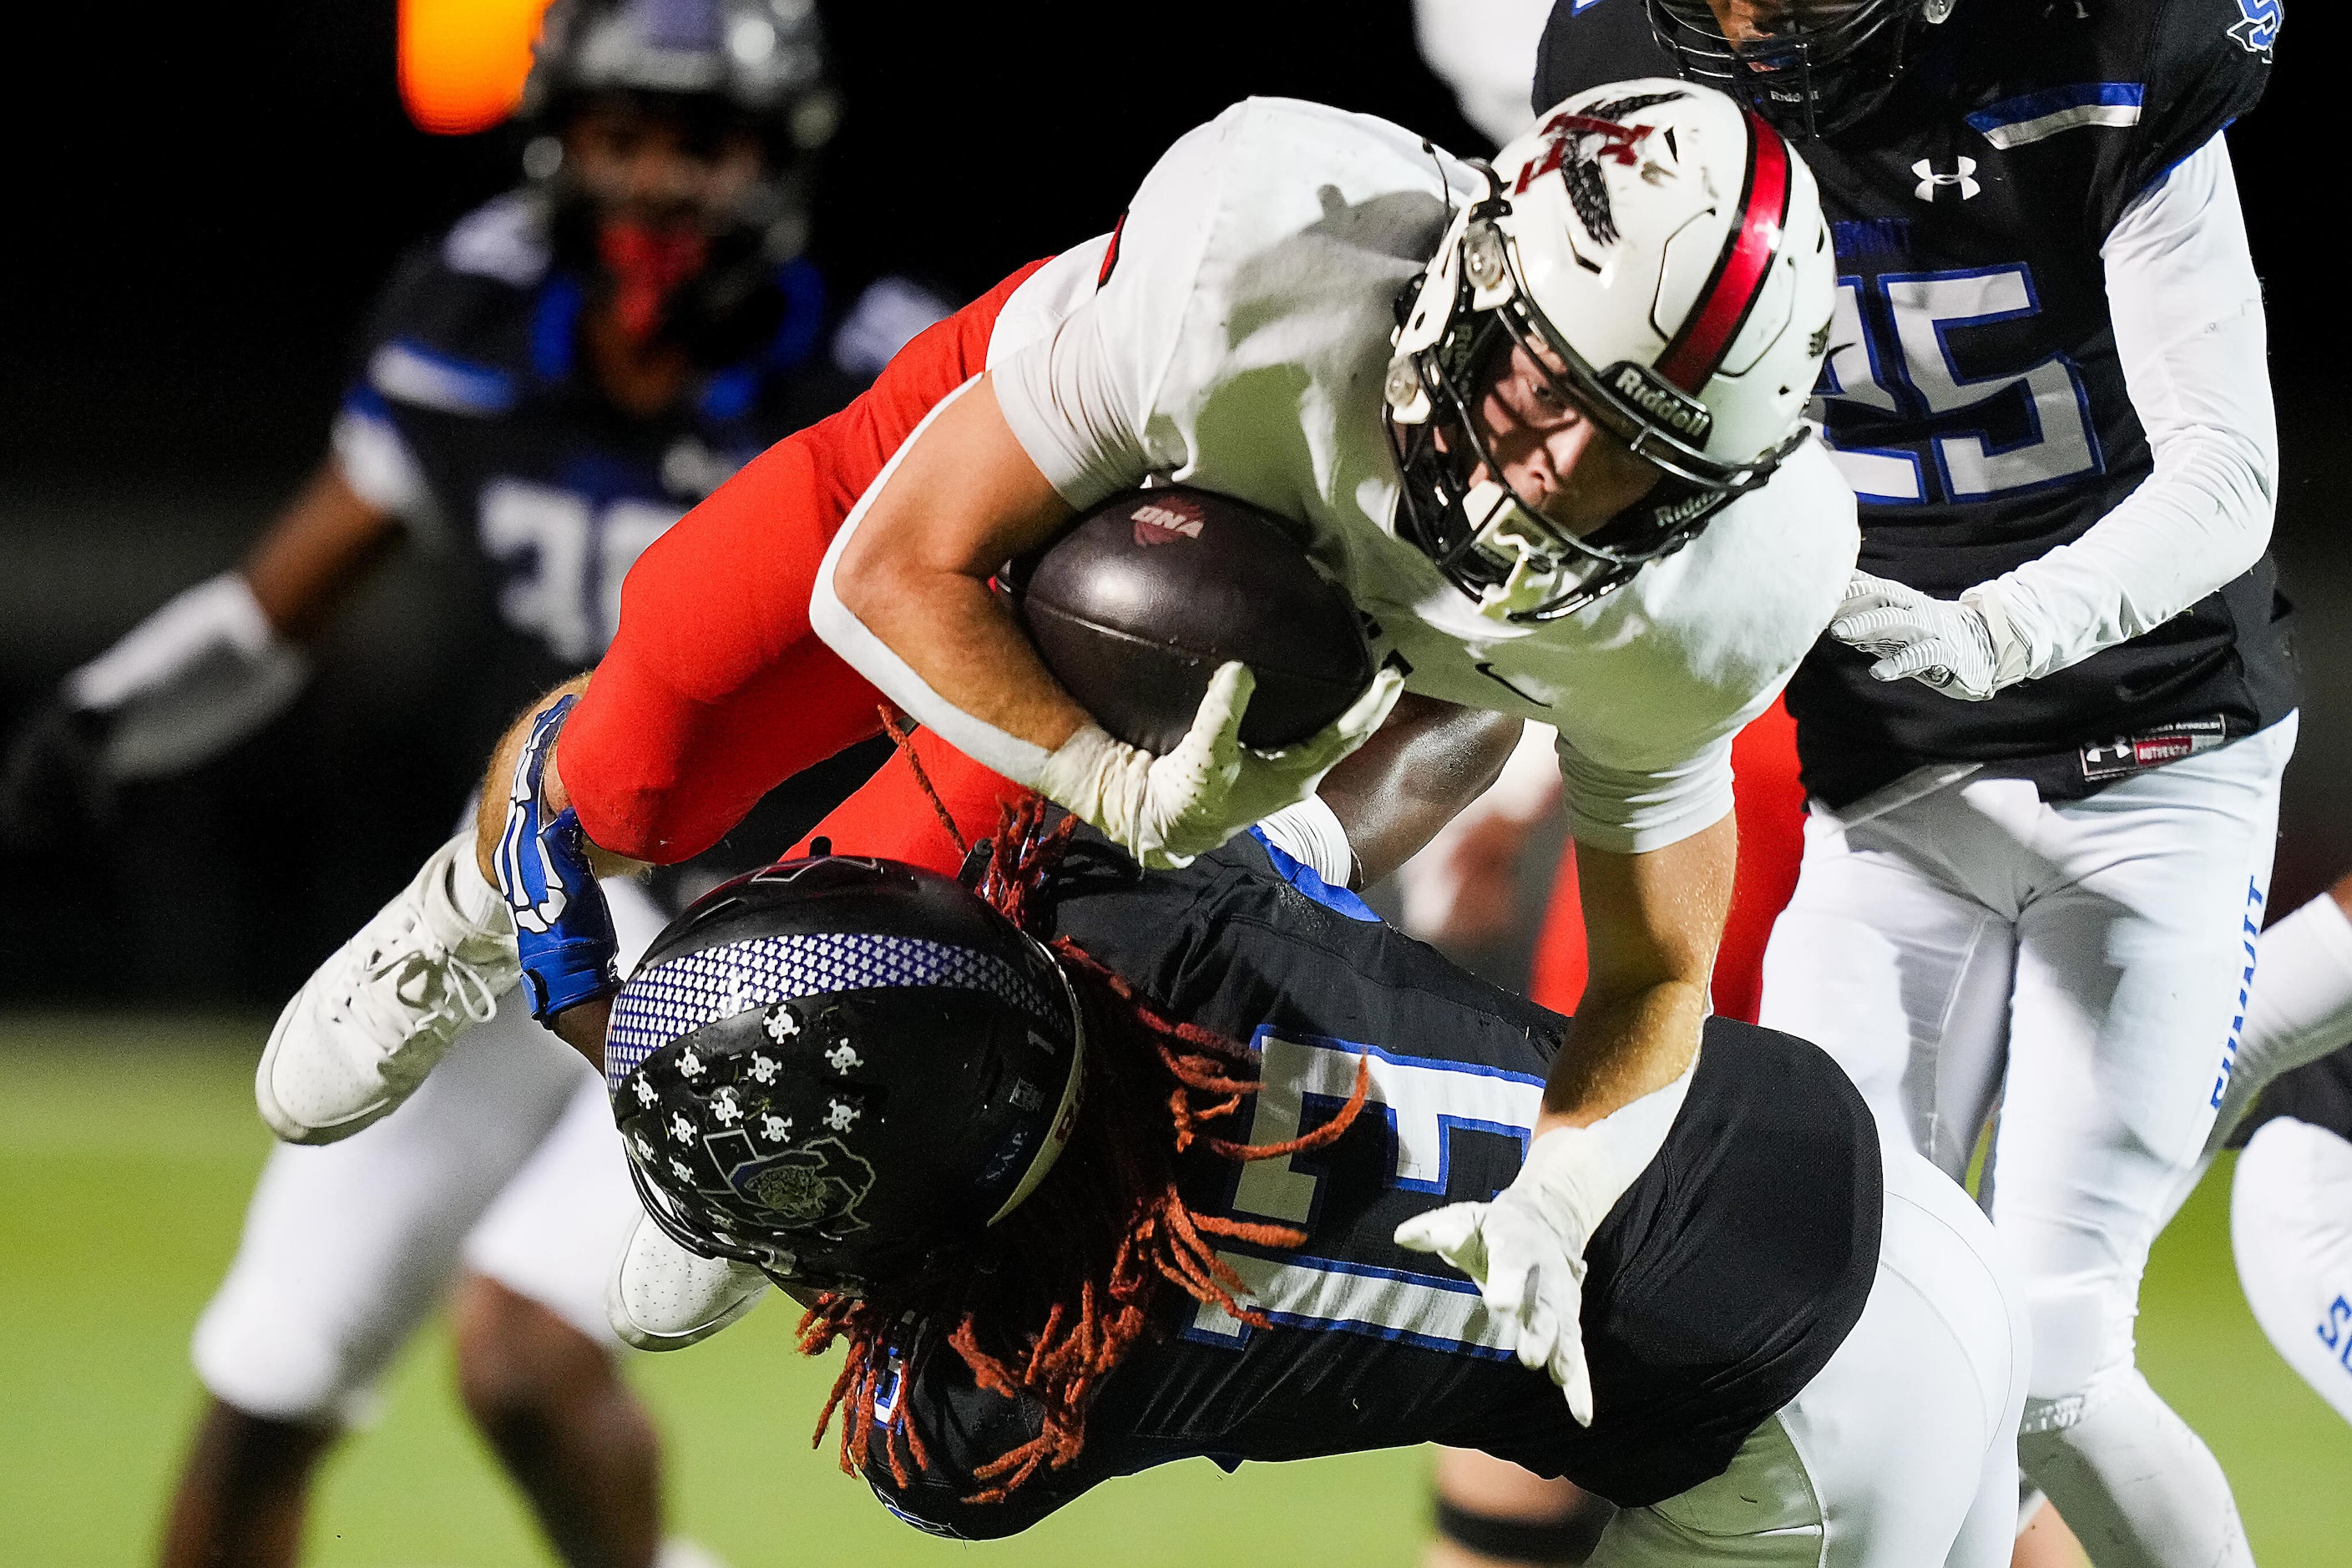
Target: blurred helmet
717, 67
765, 57
1664, 252
841, 1071
1821, 64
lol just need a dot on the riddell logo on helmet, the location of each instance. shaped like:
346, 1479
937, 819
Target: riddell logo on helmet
1669, 408
1166, 522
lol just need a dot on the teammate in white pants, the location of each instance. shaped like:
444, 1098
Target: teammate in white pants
545, 389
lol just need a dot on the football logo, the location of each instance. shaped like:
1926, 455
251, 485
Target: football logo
1579, 144
1167, 518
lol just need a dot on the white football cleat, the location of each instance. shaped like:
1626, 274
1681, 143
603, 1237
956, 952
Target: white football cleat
378, 1016
664, 1297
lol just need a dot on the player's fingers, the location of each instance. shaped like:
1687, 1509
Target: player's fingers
1452, 1233
1863, 591
1890, 624
1217, 722
1538, 1333
1570, 1370
1921, 658
1350, 730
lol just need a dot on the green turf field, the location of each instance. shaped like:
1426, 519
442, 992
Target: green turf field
126, 1153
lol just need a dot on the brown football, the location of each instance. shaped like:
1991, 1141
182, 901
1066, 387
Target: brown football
1138, 602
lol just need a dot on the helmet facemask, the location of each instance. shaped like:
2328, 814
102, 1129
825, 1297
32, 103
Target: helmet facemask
1825, 66
1459, 508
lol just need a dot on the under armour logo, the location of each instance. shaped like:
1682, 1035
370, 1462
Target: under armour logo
1929, 180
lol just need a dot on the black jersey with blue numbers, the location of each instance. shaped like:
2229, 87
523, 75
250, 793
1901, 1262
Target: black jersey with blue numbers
474, 409
1973, 396
1718, 1285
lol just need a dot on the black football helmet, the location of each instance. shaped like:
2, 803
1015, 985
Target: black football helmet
1823, 65
842, 1071
718, 66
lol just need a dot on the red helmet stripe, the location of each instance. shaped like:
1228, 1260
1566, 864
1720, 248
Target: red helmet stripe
1739, 272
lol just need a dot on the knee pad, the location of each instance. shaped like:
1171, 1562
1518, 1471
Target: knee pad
1569, 1538
267, 1364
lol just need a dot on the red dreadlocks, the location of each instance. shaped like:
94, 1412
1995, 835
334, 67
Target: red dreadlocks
1056, 1295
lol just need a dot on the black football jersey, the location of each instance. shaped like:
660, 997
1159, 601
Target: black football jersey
547, 493
1719, 1284
1973, 396
2318, 1092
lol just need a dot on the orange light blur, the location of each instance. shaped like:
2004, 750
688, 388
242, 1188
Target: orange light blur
462, 62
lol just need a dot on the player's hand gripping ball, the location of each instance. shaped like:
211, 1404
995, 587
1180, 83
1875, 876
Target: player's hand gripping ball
1225, 673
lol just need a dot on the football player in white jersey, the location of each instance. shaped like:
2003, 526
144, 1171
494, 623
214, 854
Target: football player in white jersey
1543, 421
1525, 532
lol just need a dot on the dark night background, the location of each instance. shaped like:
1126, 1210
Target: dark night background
205, 198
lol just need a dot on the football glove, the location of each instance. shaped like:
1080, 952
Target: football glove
1963, 647
563, 931
1166, 810
55, 791
1525, 1248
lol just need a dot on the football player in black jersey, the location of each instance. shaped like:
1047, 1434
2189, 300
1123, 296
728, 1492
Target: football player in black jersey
544, 390
2291, 1222
2044, 738
1048, 1279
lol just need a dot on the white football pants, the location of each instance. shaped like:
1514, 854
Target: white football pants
1901, 1453
505, 1161
2086, 963
2291, 1226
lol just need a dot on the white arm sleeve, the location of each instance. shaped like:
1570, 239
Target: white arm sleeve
1634, 811
1065, 403
189, 682
2188, 314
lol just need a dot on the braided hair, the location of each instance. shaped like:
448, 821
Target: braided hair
1049, 1301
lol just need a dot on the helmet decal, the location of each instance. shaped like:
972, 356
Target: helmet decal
1730, 293
676, 998
819, 1182
1579, 163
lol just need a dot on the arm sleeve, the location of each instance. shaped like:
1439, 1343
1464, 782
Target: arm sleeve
375, 458
1630, 811
2188, 314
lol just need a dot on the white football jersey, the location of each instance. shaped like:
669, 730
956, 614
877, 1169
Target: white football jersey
1238, 341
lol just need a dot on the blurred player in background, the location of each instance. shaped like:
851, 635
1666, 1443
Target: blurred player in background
2290, 1203
2044, 789
545, 390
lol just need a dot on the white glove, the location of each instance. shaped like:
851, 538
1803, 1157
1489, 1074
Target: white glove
1165, 810
1964, 648
1525, 1249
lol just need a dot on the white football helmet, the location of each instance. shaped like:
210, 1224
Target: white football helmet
1667, 246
